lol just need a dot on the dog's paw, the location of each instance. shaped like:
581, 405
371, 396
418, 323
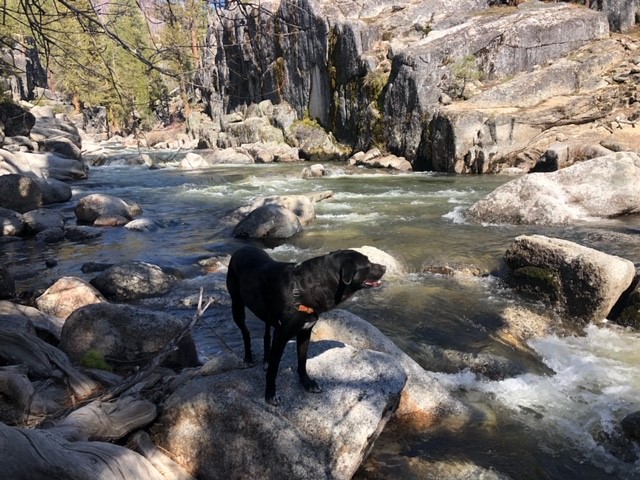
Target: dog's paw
312, 386
274, 400
248, 364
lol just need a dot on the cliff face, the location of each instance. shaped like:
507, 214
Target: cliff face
381, 73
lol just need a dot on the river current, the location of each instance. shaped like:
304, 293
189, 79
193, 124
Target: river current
534, 425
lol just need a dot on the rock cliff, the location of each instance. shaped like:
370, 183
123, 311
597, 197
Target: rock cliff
430, 81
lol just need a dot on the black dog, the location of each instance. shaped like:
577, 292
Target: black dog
289, 297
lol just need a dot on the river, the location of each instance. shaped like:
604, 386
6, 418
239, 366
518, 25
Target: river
533, 425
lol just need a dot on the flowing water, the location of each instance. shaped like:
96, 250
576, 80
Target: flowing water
530, 424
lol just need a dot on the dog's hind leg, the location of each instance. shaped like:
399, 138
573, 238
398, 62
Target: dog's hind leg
267, 345
302, 343
237, 309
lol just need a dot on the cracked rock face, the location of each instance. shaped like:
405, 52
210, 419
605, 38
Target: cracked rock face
352, 66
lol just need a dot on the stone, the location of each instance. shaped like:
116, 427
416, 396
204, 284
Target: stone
95, 205
604, 187
424, 402
395, 268
584, 283
193, 161
66, 295
133, 280
219, 425
268, 221
7, 284
16, 119
19, 193
124, 336
47, 165
12, 223
41, 219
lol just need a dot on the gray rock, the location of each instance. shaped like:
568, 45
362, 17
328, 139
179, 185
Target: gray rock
81, 233
46, 165
227, 156
12, 223
424, 402
19, 193
66, 295
51, 235
53, 191
38, 220
220, 427
125, 336
95, 205
268, 221
7, 284
133, 280
583, 282
603, 187
300, 205
142, 225
16, 119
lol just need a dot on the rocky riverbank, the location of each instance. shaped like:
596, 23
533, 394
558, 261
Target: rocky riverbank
89, 363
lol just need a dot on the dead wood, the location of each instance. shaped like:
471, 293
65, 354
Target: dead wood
41, 455
141, 443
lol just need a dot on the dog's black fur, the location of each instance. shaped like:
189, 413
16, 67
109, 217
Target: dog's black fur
289, 297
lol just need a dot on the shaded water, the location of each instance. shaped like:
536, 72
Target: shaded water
530, 425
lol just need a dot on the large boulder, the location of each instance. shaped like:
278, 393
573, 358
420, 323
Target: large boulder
268, 221
424, 402
66, 295
124, 336
96, 205
219, 426
47, 165
17, 121
300, 205
603, 187
134, 280
583, 282
19, 193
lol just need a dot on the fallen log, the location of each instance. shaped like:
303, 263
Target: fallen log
141, 443
42, 455
43, 360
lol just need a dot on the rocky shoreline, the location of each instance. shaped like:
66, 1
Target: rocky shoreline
72, 346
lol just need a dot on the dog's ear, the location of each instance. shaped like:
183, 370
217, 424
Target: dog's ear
348, 272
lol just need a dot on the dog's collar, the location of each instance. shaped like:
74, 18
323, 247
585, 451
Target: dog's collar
305, 309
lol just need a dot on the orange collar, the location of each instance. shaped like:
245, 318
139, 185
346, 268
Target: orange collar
305, 309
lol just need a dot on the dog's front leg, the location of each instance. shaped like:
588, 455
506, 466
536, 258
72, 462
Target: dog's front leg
280, 339
302, 342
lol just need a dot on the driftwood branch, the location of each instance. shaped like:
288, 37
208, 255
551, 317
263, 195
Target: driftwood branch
170, 470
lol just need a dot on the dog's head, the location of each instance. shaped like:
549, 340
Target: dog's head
357, 271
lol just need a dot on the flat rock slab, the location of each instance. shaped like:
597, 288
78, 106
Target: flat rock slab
219, 426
